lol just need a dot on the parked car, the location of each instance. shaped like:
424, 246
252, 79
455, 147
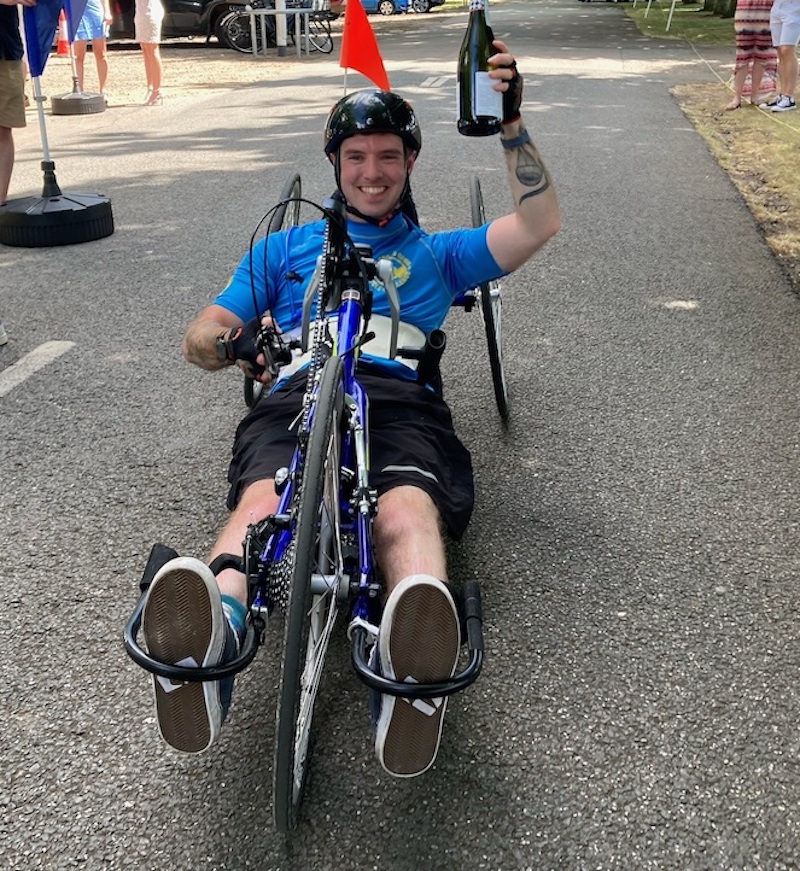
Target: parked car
189, 17
425, 5
385, 7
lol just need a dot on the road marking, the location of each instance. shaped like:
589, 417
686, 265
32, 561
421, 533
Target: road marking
435, 81
31, 363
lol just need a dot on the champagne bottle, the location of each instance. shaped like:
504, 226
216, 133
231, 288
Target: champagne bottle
480, 107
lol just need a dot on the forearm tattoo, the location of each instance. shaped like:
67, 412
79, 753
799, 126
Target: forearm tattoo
527, 164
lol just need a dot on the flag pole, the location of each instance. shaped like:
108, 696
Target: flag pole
55, 218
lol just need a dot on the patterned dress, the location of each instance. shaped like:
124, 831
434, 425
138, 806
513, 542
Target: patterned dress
753, 34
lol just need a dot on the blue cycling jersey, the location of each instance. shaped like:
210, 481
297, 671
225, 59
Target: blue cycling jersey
429, 271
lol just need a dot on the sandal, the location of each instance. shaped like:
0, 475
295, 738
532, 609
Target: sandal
735, 103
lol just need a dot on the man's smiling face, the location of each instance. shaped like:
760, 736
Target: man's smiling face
373, 170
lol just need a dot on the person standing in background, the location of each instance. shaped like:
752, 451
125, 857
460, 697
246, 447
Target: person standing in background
12, 87
12, 96
147, 21
753, 45
93, 26
785, 23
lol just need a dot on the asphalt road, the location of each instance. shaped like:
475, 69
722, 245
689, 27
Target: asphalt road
635, 532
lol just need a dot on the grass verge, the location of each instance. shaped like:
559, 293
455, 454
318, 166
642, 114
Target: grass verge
759, 150
689, 22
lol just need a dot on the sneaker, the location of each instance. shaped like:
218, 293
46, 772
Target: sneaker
3, 334
783, 104
186, 622
418, 642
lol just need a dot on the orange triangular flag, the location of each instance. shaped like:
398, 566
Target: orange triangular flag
359, 46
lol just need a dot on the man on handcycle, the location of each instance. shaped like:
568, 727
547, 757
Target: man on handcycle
420, 469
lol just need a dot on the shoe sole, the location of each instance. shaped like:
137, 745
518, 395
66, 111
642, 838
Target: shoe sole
419, 642
178, 625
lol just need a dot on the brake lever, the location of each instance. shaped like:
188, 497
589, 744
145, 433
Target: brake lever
276, 352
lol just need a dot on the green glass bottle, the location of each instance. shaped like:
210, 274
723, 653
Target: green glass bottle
480, 107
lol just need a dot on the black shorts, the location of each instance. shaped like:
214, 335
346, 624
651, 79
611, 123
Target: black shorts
412, 441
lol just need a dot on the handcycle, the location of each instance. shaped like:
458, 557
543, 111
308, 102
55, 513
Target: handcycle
234, 28
313, 559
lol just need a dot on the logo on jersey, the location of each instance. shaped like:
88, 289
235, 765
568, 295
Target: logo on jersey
401, 270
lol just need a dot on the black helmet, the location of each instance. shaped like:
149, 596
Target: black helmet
372, 112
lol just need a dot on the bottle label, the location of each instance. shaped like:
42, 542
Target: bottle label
485, 100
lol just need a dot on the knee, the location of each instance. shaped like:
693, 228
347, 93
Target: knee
258, 500
402, 513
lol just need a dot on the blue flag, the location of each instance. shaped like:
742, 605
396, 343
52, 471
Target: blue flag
41, 22
74, 10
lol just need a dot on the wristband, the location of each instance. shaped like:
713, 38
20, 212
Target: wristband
223, 347
511, 144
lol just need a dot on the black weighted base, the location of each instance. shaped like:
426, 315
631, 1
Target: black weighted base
77, 103
64, 219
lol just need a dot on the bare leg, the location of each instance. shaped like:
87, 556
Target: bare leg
6, 161
758, 75
152, 66
101, 60
258, 501
738, 87
787, 69
80, 58
408, 539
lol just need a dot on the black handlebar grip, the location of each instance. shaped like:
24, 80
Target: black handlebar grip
473, 614
437, 342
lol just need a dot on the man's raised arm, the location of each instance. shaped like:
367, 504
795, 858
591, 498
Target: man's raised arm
514, 238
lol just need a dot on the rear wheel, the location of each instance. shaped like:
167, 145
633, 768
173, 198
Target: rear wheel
286, 215
317, 554
492, 310
386, 7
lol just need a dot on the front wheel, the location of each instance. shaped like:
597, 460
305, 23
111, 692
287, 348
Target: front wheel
386, 7
421, 5
492, 310
316, 555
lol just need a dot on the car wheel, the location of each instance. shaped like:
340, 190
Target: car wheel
422, 5
386, 7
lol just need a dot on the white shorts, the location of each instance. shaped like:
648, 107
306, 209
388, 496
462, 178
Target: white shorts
784, 21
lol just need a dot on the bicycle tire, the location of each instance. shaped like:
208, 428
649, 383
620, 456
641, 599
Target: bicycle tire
286, 215
233, 31
491, 309
316, 550
319, 35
